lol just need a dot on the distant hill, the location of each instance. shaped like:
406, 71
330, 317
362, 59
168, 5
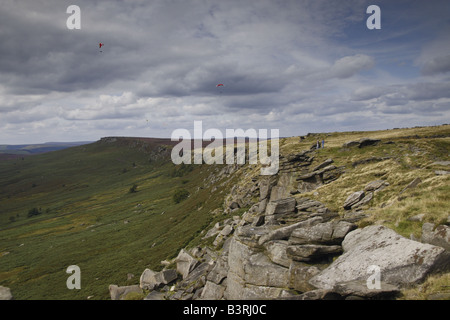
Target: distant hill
30, 149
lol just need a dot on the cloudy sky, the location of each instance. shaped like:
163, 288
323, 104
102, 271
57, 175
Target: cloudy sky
295, 65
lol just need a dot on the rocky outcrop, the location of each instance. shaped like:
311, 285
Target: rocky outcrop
328, 233
254, 262
376, 185
315, 256
412, 184
353, 199
363, 142
266, 261
368, 160
321, 174
252, 275
401, 261
294, 162
287, 246
363, 197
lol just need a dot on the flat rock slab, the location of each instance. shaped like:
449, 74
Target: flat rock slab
361, 289
310, 252
281, 206
400, 261
329, 233
353, 199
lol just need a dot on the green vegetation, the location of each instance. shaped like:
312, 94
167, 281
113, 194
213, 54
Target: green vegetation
115, 208
34, 212
88, 220
182, 170
133, 189
180, 195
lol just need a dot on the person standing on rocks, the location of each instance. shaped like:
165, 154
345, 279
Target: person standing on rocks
318, 145
323, 143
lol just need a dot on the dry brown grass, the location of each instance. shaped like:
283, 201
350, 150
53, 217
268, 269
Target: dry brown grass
436, 287
411, 155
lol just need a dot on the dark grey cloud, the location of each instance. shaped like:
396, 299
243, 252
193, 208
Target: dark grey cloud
411, 92
287, 64
437, 65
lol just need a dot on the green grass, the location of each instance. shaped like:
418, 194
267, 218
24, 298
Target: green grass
90, 219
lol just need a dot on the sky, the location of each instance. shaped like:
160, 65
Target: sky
299, 66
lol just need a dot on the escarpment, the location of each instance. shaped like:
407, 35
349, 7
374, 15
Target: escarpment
280, 241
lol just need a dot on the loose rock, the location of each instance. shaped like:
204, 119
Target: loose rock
353, 199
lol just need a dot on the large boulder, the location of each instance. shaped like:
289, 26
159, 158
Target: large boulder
147, 280
439, 236
185, 263
212, 291
400, 261
166, 276
300, 274
151, 280
376, 185
155, 295
281, 206
329, 233
364, 142
5, 293
366, 199
280, 211
120, 293
219, 271
276, 251
252, 275
284, 233
350, 144
358, 289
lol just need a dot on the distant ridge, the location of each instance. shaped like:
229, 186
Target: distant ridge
30, 149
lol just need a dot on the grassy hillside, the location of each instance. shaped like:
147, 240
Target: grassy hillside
109, 207
87, 216
401, 156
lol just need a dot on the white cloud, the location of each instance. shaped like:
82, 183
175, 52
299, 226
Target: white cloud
295, 65
347, 67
